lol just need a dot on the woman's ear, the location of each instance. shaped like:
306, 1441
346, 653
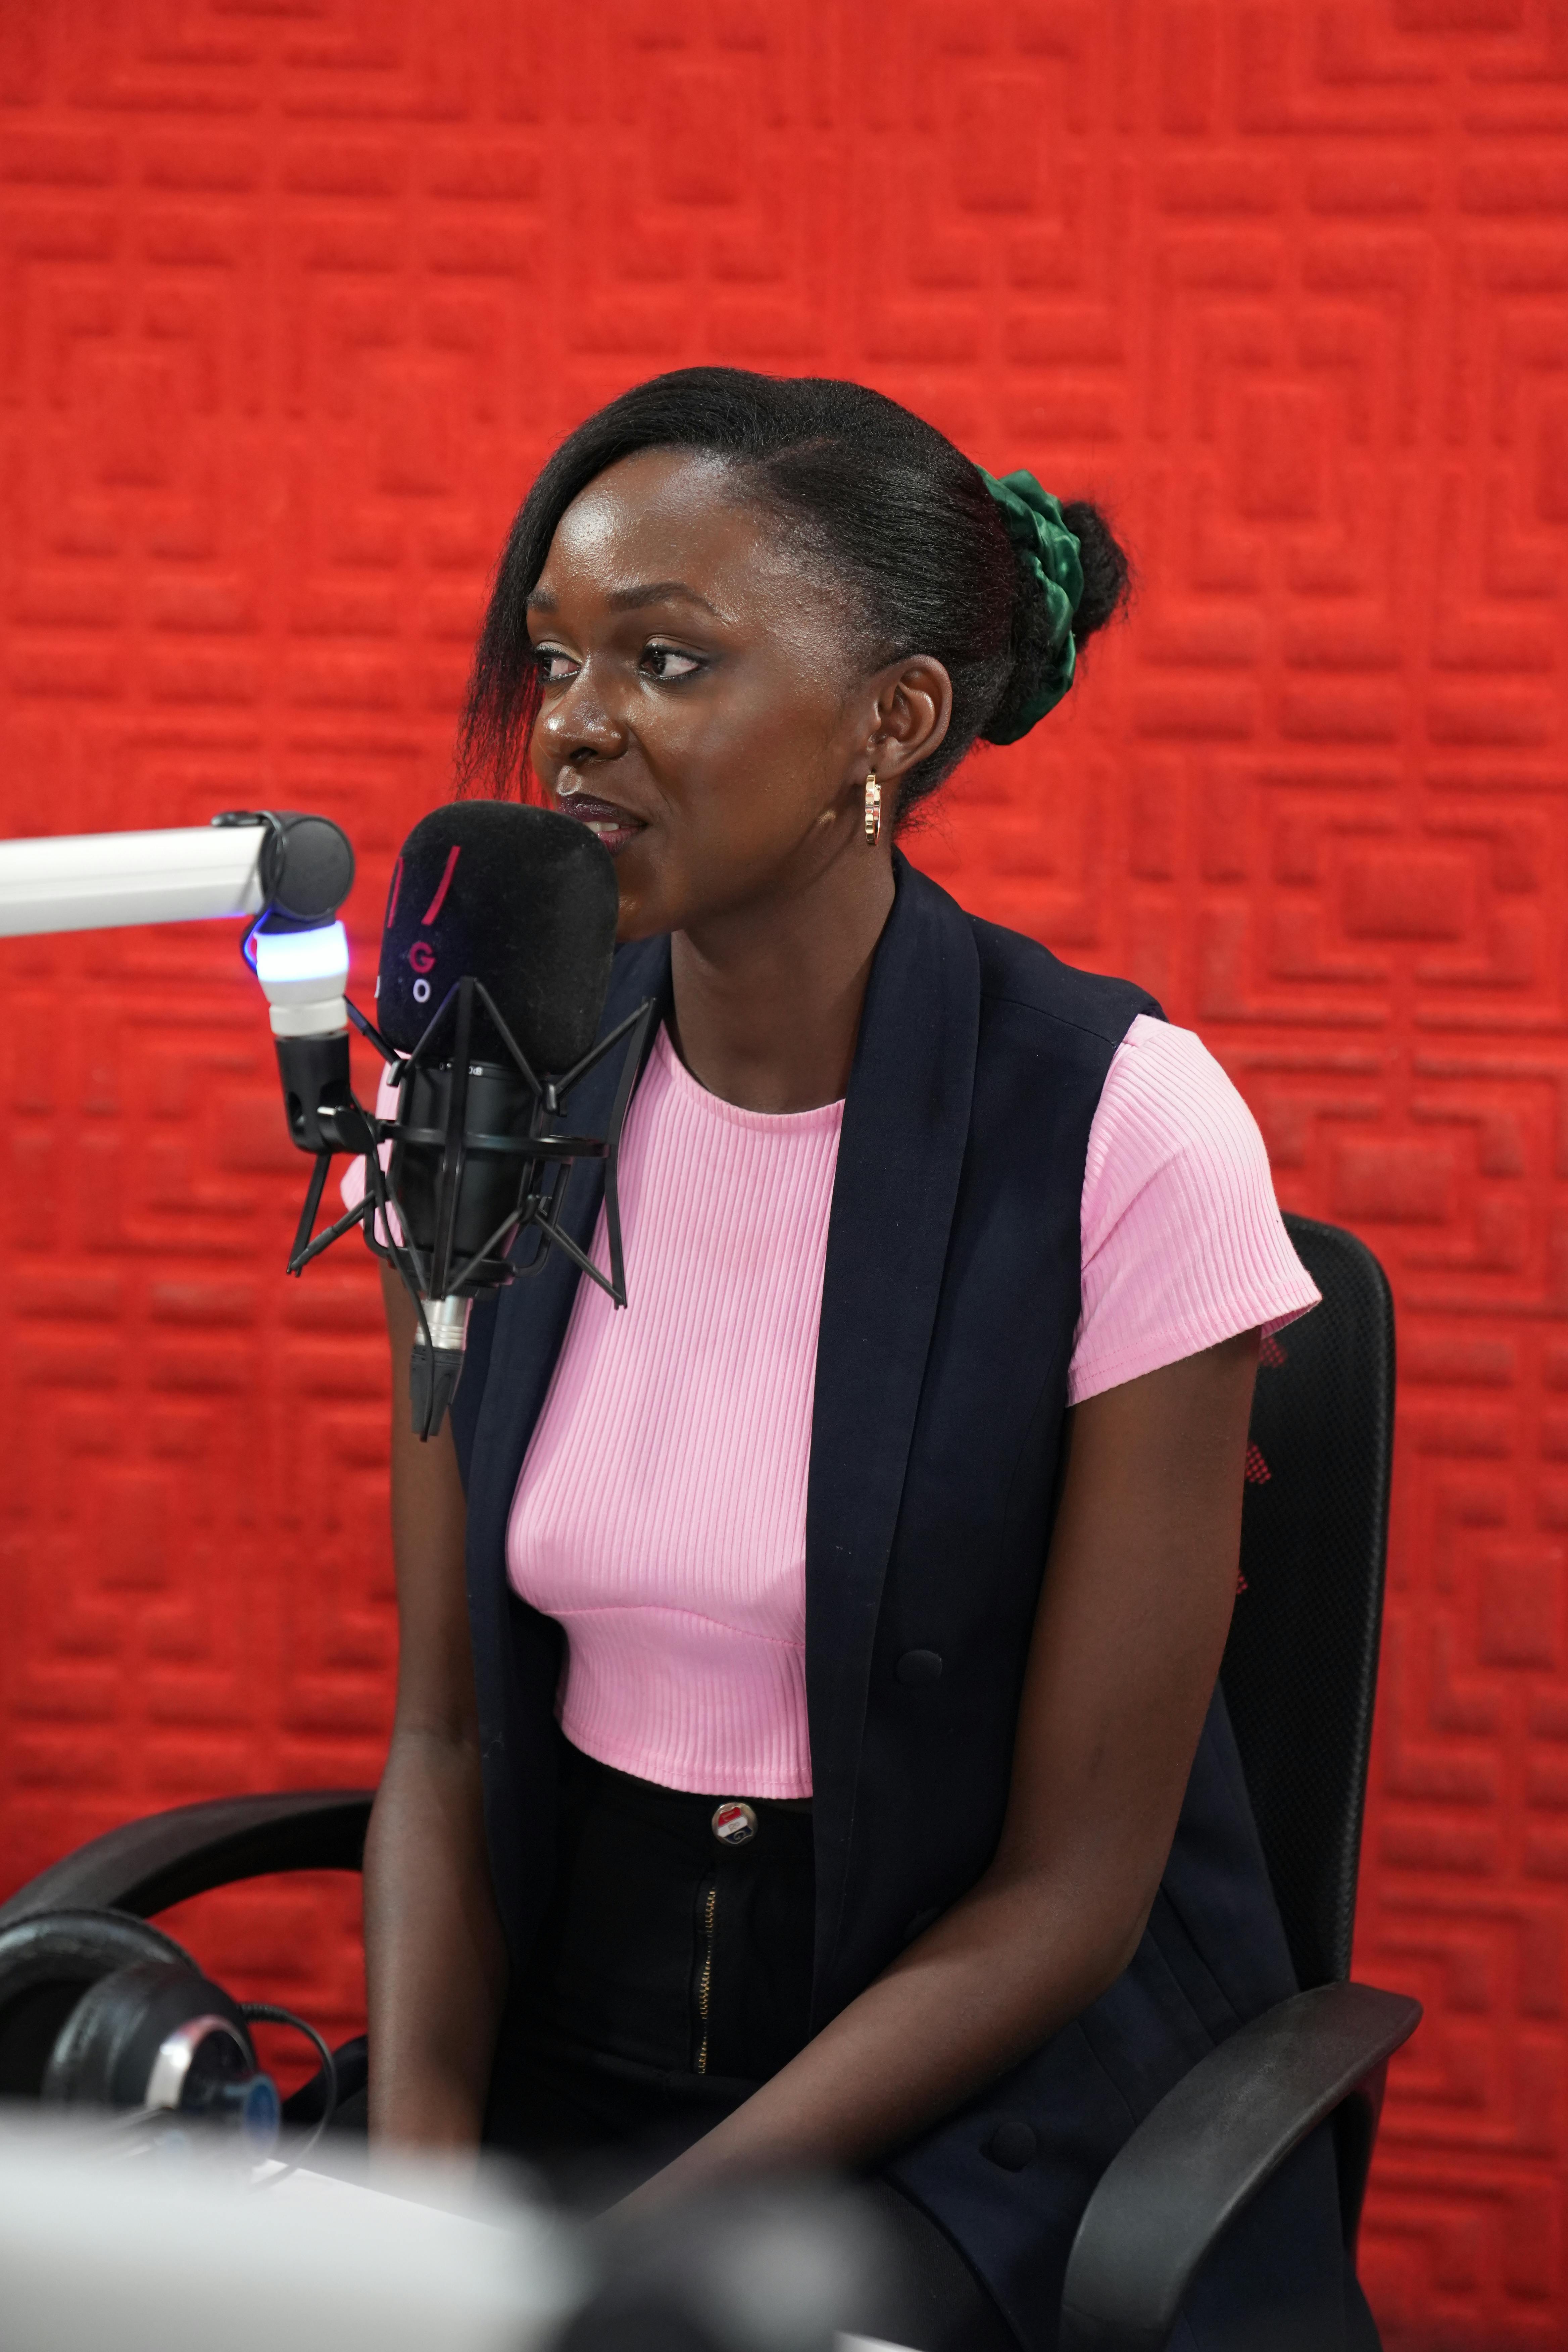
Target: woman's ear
914, 710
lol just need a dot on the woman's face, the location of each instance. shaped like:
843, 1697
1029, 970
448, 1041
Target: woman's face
704, 708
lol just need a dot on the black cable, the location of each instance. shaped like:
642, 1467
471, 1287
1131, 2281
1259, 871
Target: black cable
264, 2012
371, 1033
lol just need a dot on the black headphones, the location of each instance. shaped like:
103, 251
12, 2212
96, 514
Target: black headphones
98, 2010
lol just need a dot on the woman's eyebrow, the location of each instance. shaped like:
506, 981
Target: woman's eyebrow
658, 592
629, 600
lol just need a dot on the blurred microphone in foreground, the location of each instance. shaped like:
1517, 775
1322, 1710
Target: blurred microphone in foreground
495, 963
181, 2253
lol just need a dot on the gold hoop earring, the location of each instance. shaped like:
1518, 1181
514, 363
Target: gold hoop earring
873, 808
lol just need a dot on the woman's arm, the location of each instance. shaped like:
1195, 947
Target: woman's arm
1127, 1644
435, 1958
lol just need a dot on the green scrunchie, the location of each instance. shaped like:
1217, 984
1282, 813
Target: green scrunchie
1050, 554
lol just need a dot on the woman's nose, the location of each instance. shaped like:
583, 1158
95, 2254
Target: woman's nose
580, 720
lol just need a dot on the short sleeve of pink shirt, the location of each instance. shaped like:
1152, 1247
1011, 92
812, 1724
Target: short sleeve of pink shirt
1182, 1241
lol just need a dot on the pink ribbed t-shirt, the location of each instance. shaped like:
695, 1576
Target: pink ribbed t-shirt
661, 1512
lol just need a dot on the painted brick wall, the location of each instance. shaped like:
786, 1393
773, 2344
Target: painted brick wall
298, 294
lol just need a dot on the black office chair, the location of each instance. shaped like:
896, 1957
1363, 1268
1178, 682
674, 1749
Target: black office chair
1299, 1676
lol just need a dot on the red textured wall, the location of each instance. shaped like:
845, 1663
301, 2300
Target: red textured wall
298, 294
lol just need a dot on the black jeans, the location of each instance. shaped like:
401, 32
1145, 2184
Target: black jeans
671, 1977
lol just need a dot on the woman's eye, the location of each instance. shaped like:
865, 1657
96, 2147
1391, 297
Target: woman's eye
666, 662
555, 667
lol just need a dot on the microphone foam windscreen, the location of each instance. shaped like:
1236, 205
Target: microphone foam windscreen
520, 898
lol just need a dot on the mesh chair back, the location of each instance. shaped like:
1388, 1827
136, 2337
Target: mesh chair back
1301, 1666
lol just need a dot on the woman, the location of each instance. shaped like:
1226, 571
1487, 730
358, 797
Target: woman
826, 1765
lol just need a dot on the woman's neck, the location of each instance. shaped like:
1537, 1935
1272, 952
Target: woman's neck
767, 998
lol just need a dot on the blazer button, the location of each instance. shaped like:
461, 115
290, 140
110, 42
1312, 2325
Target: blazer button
918, 1667
1012, 2146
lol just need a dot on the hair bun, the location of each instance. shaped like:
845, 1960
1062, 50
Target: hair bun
1106, 571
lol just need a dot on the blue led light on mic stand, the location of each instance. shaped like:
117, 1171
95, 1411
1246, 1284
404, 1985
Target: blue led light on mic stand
282, 957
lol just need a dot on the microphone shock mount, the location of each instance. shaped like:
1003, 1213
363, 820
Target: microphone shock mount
477, 1158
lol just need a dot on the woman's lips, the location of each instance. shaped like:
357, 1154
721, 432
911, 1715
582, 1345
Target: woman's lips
612, 825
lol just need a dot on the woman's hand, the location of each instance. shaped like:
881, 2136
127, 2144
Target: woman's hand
434, 1957
1128, 1640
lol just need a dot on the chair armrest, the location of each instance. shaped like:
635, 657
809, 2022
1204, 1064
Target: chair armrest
145, 1865
1193, 2165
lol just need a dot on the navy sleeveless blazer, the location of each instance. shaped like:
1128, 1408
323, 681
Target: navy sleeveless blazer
950, 1297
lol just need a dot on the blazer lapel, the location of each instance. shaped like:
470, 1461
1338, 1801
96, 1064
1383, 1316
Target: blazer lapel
901, 1154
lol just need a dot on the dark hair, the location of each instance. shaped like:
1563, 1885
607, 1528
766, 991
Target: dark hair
879, 497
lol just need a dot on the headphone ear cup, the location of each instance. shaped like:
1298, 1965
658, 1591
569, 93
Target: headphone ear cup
47, 1963
105, 2053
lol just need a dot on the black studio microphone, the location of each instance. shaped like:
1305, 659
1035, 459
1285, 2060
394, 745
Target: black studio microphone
495, 962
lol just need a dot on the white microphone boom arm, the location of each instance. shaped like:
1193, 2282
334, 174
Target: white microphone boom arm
102, 881
289, 872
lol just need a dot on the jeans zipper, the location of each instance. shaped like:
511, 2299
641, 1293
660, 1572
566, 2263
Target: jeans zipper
705, 1971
